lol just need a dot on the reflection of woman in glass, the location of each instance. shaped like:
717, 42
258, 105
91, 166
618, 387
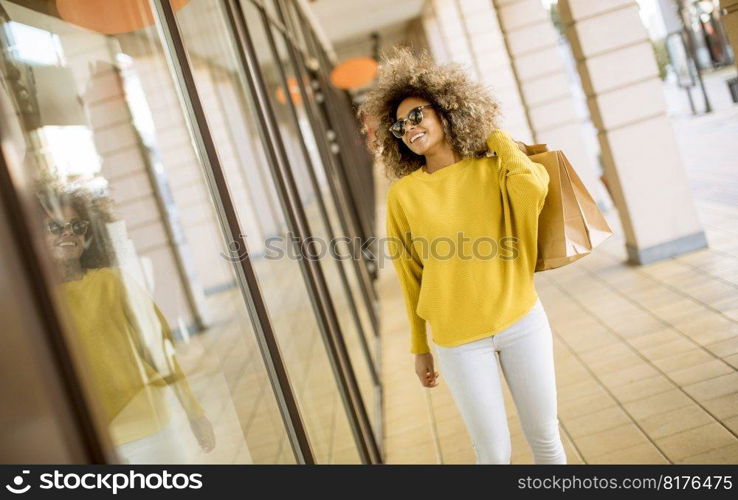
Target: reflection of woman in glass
130, 389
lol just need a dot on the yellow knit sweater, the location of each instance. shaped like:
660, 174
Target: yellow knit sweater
463, 241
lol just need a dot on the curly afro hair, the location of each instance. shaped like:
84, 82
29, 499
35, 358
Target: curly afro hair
467, 110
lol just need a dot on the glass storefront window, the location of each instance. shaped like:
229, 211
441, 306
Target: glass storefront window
322, 212
232, 120
165, 342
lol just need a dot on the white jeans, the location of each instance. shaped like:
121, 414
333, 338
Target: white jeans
525, 351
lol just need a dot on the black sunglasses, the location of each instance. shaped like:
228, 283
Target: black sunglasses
78, 226
415, 116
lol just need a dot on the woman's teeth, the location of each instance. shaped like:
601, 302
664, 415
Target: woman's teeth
67, 244
422, 134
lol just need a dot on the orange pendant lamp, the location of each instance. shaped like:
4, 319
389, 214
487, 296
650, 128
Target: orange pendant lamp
354, 73
294, 92
110, 17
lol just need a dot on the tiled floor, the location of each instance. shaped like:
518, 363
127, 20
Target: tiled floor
646, 356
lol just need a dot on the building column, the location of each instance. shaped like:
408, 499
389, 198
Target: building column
533, 46
468, 32
730, 21
495, 67
639, 149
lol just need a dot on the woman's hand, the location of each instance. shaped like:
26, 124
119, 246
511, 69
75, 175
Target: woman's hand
424, 370
203, 431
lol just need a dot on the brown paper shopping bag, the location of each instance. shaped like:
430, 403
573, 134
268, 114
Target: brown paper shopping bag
570, 225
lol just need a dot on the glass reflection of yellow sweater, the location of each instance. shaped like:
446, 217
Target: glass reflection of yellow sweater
129, 388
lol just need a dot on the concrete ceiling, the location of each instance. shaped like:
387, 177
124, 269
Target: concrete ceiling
349, 19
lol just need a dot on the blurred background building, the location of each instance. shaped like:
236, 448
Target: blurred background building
224, 133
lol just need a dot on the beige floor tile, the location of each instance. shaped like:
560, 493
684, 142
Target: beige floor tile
585, 405
642, 388
683, 360
572, 454
628, 375
698, 373
463, 457
728, 303
723, 406
674, 421
456, 442
579, 389
678, 346
677, 310
732, 424
571, 373
449, 426
636, 329
710, 336
599, 355
425, 454
732, 360
444, 410
724, 348
657, 338
711, 291
714, 387
702, 322
522, 457
695, 441
645, 453
732, 314
611, 440
658, 403
596, 422
725, 455
409, 439
617, 362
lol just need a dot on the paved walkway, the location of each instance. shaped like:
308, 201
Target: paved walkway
646, 356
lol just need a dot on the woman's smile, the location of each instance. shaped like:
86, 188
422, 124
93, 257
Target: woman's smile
416, 136
67, 243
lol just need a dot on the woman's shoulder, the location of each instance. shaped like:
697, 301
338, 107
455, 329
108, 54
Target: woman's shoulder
106, 273
99, 281
397, 186
103, 276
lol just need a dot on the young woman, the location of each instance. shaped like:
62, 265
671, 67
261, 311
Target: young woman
462, 224
134, 396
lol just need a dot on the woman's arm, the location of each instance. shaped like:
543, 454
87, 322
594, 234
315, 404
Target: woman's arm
523, 189
526, 181
177, 379
135, 298
409, 270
